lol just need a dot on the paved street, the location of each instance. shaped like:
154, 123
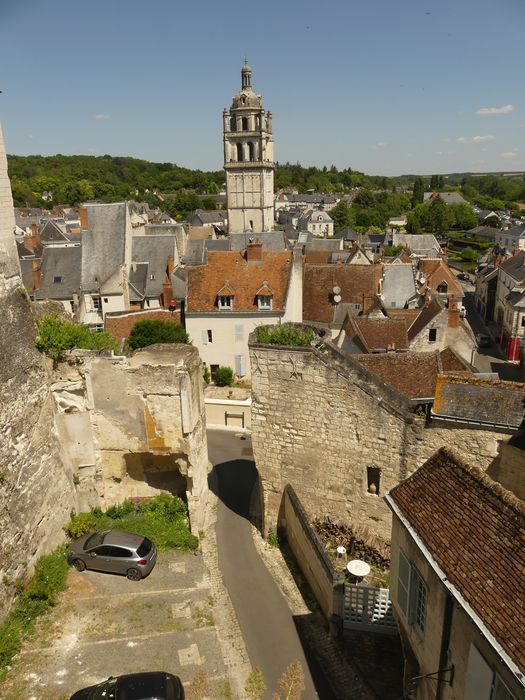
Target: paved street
489, 359
264, 617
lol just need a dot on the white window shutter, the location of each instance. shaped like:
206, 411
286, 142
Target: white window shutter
239, 334
240, 365
204, 337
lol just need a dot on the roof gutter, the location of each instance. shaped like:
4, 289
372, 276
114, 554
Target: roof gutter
455, 593
457, 419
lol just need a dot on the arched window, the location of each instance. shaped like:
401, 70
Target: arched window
245, 124
251, 151
239, 152
233, 124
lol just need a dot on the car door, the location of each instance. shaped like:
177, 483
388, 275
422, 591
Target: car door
120, 559
99, 558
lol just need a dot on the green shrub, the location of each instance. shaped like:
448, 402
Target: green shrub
206, 374
273, 539
224, 376
287, 334
56, 337
146, 333
164, 519
35, 598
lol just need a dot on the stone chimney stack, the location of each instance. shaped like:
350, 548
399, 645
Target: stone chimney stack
254, 251
10, 275
453, 313
35, 269
167, 294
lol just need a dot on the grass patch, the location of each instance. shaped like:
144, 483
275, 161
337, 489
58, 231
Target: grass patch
163, 519
37, 596
286, 334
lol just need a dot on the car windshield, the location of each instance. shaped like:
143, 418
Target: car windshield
105, 691
95, 539
144, 547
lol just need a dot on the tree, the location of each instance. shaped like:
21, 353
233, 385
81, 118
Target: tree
418, 192
342, 216
434, 182
224, 376
462, 216
437, 217
56, 337
146, 333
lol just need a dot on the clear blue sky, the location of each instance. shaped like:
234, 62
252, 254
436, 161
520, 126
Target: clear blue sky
379, 86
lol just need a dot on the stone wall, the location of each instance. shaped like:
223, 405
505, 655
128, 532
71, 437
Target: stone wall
322, 423
36, 482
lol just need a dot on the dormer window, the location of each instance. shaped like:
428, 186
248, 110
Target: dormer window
225, 302
265, 302
442, 288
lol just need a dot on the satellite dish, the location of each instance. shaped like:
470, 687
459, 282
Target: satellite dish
422, 279
337, 298
336, 290
358, 568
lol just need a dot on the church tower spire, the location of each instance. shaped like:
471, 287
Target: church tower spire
248, 160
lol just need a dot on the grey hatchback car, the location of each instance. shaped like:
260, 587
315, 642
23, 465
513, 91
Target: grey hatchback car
115, 551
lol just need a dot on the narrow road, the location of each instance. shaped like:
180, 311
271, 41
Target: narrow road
264, 617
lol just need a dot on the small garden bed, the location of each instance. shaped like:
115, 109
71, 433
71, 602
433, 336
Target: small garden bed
370, 550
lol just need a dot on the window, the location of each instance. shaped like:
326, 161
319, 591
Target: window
442, 288
207, 337
239, 153
251, 151
97, 303
372, 480
225, 302
265, 302
482, 682
213, 371
57, 280
411, 594
120, 552
245, 123
105, 300
240, 365
239, 334
432, 335
152, 276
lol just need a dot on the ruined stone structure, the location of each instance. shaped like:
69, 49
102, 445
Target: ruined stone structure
134, 426
248, 160
324, 424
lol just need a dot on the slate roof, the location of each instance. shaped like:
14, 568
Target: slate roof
271, 240
412, 374
154, 250
50, 232
486, 232
233, 270
357, 283
487, 401
208, 217
474, 529
447, 197
60, 272
399, 285
422, 245
103, 244
515, 267
137, 280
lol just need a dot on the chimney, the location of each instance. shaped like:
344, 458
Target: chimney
254, 251
170, 266
167, 295
35, 268
83, 216
453, 313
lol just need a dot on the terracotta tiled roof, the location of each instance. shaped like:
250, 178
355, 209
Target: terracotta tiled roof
412, 374
378, 334
488, 401
452, 362
357, 283
436, 272
475, 531
230, 269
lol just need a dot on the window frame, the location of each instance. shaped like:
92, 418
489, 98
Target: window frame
263, 306
222, 304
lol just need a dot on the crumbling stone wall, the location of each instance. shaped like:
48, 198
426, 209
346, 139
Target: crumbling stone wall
36, 485
318, 423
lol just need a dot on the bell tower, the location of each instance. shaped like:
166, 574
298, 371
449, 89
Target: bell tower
248, 160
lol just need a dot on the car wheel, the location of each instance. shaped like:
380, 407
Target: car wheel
79, 565
133, 574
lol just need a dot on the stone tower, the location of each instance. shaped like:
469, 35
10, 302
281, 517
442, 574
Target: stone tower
248, 160
9, 265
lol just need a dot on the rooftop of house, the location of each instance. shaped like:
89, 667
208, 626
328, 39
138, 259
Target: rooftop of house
156, 251
447, 197
515, 267
374, 334
490, 402
59, 272
237, 274
399, 286
474, 530
208, 217
413, 374
359, 285
436, 274
420, 245
103, 244
487, 232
